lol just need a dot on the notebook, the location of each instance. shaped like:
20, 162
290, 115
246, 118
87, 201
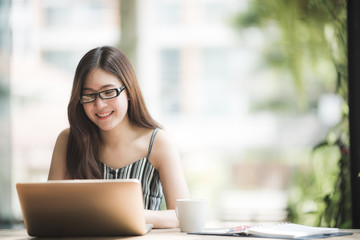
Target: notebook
279, 231
291, 230
71, 208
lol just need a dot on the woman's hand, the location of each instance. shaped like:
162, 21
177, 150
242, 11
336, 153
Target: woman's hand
162, 218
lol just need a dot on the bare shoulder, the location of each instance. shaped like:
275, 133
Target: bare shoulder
62, 139
166, 159
162, 137
64, 135
163, 141
58, 161
164, 149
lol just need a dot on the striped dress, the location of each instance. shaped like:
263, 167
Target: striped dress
146, 173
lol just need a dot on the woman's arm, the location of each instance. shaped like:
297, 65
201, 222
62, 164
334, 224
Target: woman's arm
166, 159
58, 162
162, 218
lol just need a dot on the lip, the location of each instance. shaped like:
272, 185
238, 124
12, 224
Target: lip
104, 115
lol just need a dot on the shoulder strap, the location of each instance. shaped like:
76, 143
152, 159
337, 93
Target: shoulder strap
152, 141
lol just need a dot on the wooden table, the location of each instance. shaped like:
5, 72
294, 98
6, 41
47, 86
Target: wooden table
158, 234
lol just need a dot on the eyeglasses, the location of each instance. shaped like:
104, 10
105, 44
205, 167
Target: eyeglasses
106, 94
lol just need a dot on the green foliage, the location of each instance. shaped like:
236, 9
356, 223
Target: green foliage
313, 33
320, 195
338, 204
308, 28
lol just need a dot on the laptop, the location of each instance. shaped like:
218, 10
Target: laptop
80, 208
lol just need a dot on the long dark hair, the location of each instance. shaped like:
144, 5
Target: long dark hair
83, 147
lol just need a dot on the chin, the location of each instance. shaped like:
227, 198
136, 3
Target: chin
105, 128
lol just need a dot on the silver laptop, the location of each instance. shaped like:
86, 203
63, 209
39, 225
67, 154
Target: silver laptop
71, 208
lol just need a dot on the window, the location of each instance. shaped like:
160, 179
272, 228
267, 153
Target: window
169, 12
170, 95
216, 80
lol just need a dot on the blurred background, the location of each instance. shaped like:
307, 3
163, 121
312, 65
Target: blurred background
253, 92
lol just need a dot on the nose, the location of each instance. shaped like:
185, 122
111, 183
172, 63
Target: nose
99, 102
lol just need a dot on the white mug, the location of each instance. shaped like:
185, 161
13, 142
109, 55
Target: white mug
191, 214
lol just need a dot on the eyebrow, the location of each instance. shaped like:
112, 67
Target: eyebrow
103, 87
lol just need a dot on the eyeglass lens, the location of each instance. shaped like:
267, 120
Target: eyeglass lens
107, 94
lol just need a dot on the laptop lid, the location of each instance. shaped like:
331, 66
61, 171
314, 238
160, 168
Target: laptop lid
69, 208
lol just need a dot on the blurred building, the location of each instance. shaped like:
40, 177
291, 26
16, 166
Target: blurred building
5, 119
195, 71
48, 39
196, 74
199, 78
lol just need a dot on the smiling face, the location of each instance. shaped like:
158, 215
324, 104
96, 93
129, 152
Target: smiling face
109, 113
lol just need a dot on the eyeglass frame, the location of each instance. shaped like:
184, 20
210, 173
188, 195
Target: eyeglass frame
118, 91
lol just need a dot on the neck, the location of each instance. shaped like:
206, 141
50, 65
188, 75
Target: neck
120, 134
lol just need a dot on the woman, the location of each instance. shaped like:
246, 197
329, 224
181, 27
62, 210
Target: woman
112, 135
